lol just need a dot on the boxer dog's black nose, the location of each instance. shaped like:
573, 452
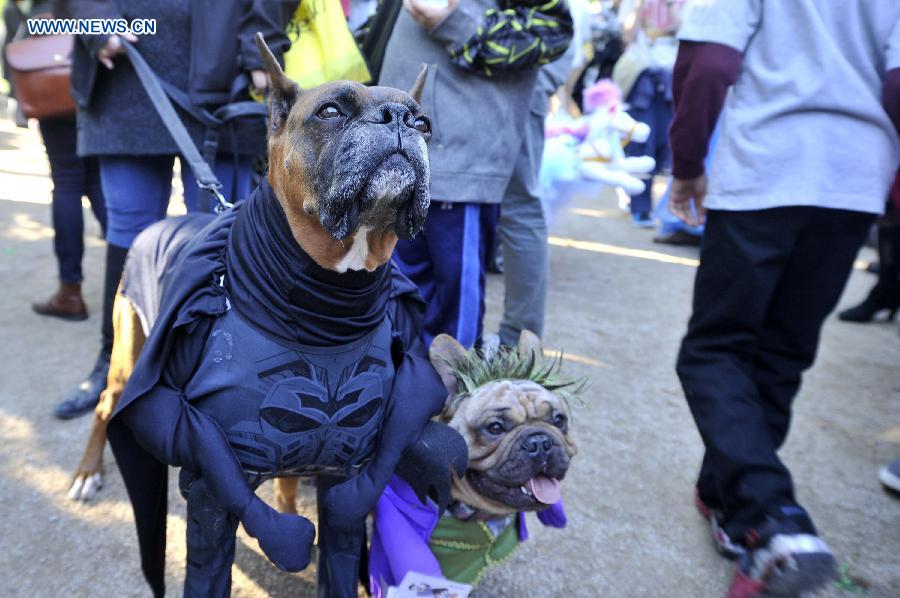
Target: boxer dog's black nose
392, 112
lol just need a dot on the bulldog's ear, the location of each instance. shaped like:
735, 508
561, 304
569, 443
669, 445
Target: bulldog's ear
416, 90
284, 91
529, 344
446, 352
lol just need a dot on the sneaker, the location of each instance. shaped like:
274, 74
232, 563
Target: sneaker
642, 221
722, 541
783, 558
84, 397
890, 475
678, 237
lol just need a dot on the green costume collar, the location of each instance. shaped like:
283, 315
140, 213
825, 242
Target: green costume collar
465, 549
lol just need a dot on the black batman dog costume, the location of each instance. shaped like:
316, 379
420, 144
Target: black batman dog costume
280, 351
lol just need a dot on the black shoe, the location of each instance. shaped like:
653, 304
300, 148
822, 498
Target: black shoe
86, 395
678, 237
880, 298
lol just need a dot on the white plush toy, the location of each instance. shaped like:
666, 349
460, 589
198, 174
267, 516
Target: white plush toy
608, 130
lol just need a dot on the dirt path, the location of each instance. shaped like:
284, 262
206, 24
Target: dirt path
618, 307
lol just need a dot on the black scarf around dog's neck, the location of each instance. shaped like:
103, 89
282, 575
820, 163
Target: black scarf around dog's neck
276, 285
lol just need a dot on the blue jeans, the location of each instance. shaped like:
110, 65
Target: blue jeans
650, 102
137, 190
73, 177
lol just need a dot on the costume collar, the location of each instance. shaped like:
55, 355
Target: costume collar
274, 284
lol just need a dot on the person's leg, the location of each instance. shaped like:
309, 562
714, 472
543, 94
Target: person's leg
136, 190
885, 295
459, 266
94, 191
742, 259
820, 264
67, 173
446, 261
414, 260
809, 288
640, 102
523, 239
68, 185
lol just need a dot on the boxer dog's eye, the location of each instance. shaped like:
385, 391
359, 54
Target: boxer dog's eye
422, 125
495, 428
329, 111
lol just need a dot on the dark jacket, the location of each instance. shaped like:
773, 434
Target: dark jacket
200, 46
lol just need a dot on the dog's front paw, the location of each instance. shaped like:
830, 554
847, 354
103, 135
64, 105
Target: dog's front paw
286, 539
86, 485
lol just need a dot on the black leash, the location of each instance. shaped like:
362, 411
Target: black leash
162, 94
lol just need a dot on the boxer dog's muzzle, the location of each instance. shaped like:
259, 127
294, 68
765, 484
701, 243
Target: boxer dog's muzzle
376, 172
354, 157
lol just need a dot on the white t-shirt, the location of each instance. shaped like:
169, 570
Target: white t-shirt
804, 124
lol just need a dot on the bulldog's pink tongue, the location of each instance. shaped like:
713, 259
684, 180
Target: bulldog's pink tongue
546, 490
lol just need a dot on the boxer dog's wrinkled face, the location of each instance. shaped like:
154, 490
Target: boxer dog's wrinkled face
354, 158
517, 430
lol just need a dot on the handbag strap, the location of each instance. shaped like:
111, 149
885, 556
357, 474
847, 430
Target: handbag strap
204, 175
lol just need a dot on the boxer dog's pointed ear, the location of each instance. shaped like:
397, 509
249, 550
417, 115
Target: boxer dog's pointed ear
284, 91
445, 353
415, 92
529, 344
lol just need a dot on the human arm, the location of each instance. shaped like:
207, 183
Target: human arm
710, 58
509, 38
103, 47
269, 17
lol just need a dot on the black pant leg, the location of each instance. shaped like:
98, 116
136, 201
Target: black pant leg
210, 544
743, 257
339, 551
811, 286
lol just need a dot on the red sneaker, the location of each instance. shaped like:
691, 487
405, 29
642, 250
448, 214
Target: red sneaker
783, 559
723, 543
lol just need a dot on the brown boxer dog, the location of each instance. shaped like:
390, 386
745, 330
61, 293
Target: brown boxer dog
348, 193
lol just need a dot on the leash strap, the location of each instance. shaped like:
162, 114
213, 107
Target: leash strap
206, 179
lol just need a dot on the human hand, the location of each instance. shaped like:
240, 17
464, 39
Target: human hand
680, 196
260, 80
429, 14
113, 47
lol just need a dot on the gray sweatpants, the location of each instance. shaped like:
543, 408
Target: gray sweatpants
523, 240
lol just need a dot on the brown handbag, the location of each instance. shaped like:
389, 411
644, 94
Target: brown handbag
41, 69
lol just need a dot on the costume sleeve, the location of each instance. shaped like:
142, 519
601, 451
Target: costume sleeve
87, 9
515, 36
175, 432
700, 81
728, 22
269, 17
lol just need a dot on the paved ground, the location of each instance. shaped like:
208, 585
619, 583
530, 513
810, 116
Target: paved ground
618, 306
